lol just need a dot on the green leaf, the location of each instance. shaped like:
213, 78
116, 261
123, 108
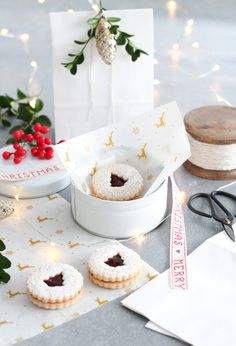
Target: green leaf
121, 40
129, 49
25, 113
2, 246
38, 105
126, 34
91, 33
80, 42
79, 59
113, 19
4, 102
114, 29
4, 277
29, 129
10, 141
4, 262
143, 52
43, 120
20, 94
93, 21
72, 55
6, 123
135, 55
14, 128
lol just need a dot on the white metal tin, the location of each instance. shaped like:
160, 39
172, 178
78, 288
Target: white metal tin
114, 219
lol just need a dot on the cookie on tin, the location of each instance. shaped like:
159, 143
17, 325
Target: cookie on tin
117, 182
54, 286
114, 266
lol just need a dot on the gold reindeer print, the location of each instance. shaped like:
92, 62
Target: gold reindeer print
94, 169
143, 154
136, 130
72, 245
46, 326
151, 277
34, 242
162, 122
42, 219
23, 267
150, 177
59, 231
5, 322
12, 294
75, 314
67, 155
29, 207
101, 302
110, 142
52, 197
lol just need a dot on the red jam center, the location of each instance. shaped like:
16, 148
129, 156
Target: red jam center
117, 181
115, 261
56, 280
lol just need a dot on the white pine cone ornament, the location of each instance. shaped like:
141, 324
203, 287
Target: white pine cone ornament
105, 41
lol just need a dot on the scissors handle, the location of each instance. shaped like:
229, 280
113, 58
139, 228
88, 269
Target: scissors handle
201, 195
230, 217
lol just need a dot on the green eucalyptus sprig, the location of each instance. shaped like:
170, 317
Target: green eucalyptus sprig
22, 110
5, 263
122, 39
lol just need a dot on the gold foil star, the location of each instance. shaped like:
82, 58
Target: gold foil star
110, 142
143, 154
72, 245
162, 122
46, 326
94, 169
149, 177
101, 302
136, 130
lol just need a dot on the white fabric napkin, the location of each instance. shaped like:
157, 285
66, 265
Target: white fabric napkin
203, 315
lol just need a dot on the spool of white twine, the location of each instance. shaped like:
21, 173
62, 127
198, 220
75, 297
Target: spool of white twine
212, 156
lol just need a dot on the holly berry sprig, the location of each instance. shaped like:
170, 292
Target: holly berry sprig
39, 144
5, 263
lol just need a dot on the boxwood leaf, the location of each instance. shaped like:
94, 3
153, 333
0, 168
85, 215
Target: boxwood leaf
121, 40
38, 105
43, 120
4, 277
6, 123
10, 141
129, 49
20, 94
4, 102
2, 246
79, 59
113, 19
4, 262
25, 113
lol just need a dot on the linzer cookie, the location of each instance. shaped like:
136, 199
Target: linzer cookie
55, 286
212, 136
117, 182
114, 266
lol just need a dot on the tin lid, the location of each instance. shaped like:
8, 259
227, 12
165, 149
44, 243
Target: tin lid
212, 124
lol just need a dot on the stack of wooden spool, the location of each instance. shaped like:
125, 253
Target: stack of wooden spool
212, 135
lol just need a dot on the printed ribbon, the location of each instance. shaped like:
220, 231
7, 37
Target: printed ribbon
178, 244
30, 174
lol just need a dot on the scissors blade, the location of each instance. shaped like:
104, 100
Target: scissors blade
229, 231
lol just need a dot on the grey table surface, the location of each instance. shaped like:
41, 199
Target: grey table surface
215, 29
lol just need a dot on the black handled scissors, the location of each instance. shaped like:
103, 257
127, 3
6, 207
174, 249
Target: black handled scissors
212, 199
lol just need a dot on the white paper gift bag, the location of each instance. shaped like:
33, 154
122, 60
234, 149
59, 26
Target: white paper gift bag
100, 94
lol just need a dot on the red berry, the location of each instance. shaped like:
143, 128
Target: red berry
34, 151
20, 152
49, 155
23, 151
49, 149
37, 127
47, 140
41, 140
37, 136
44, 129
16, 145
42, 146
17, 159
17, 134
41, 154
29, 137
22, 133
61, 141
6, 155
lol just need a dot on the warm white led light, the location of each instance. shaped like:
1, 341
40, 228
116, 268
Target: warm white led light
3, 31
171, 5
70, 10
156, 82
155, 61
41, 1
216, 67
190, 22
24, 37
95, 7
175, 46
34, 64
188, 29
196, 45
